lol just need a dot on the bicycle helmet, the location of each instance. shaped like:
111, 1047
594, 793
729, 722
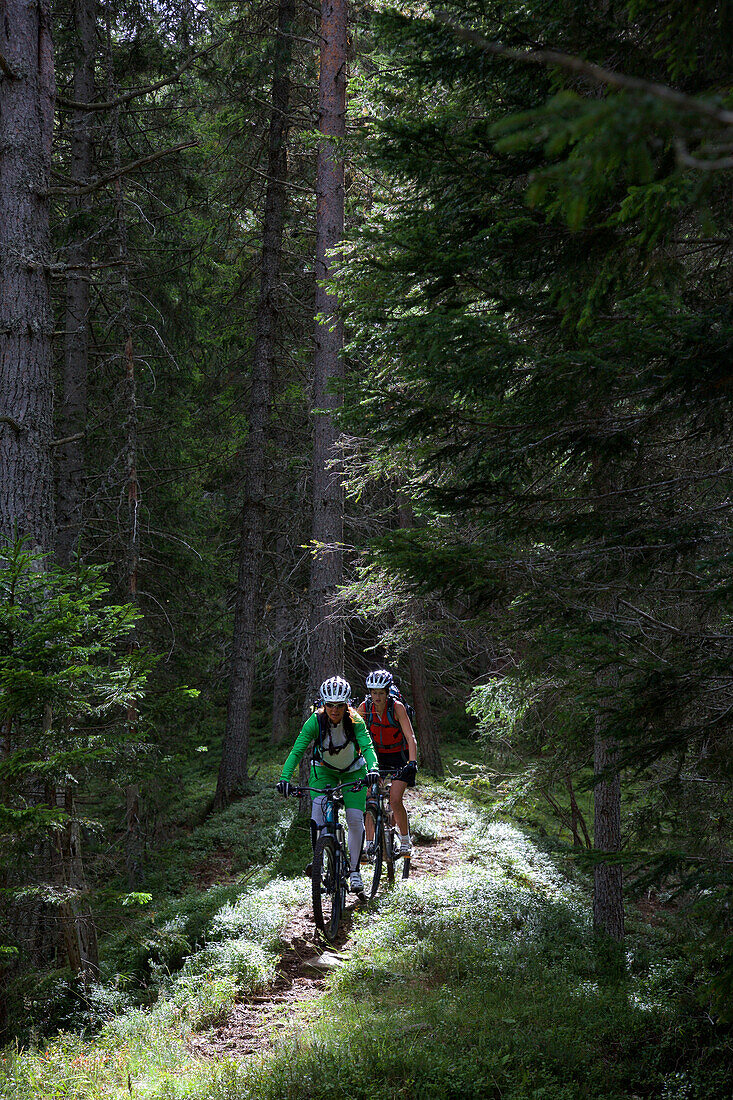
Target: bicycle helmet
380, 678
335, 690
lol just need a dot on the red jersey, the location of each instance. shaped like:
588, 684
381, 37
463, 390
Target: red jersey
385, 731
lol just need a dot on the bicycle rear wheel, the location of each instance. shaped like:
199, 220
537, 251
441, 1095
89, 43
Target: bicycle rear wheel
326, 887
376, 844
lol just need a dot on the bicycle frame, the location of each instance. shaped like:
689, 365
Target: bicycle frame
383, 848
382, 798
330, 863
333, 802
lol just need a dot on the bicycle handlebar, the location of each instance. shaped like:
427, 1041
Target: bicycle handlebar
354, 785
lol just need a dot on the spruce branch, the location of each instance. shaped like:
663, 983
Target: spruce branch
685, 158
109, 104
123, 171
594, 72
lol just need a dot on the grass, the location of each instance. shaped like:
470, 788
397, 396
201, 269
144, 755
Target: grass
485, 984
490, 984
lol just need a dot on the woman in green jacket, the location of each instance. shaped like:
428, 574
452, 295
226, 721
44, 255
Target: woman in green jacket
342, 751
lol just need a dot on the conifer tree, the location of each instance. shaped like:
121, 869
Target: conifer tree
27, 92
257, 453
326, 635
535, 294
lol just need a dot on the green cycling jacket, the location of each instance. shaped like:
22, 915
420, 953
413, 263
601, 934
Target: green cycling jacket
310, 733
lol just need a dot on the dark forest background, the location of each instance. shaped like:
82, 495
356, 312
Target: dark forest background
498, 460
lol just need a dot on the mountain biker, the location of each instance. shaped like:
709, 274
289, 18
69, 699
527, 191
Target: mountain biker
391, 731
342, 751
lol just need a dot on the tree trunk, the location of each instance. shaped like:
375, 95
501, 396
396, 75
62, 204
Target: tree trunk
608, 904
133, 485
326, 634
77, 922
72, 423
576, 818
281, 682
426, 733
133, 837
134, 843
233, 768
26, 320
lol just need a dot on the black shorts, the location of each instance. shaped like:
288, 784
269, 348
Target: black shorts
391, 761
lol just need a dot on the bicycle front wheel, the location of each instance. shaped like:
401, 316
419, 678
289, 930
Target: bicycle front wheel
406, 859
326, 886
375, 846
388, 849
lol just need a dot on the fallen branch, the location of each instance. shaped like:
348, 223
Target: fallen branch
593, 72
13, 423
68, 439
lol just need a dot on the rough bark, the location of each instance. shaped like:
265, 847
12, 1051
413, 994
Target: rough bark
281, 680
426, 733
608, 904
326, 633
133, 485
233, 768
77, 923
72, 423
134, 840
133, 837
26, 320
577, 820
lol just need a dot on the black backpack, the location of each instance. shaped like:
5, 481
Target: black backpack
324, 735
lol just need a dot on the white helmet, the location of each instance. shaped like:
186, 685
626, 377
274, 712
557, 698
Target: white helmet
335, 690
380, 678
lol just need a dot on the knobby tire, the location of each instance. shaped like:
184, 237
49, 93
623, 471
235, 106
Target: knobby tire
388, 849
406, 859
326, 887
378, 826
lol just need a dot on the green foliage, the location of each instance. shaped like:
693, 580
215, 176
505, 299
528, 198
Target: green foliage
182, 917
485, 982
540, 302
67, 679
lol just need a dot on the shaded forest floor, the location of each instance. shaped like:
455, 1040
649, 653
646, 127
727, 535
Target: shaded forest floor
479, 977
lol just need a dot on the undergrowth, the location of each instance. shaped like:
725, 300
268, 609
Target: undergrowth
488, 983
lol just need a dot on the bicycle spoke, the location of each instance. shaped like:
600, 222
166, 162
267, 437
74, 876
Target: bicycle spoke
326, 887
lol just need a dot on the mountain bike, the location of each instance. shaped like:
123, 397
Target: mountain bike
330, 866
384, 848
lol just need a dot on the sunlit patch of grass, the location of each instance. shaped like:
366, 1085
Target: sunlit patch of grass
426, 825
141, 1052
485, 984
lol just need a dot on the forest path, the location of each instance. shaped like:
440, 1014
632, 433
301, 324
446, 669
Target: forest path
292, 1002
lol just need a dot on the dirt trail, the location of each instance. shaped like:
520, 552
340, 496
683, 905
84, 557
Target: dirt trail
292, 1002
